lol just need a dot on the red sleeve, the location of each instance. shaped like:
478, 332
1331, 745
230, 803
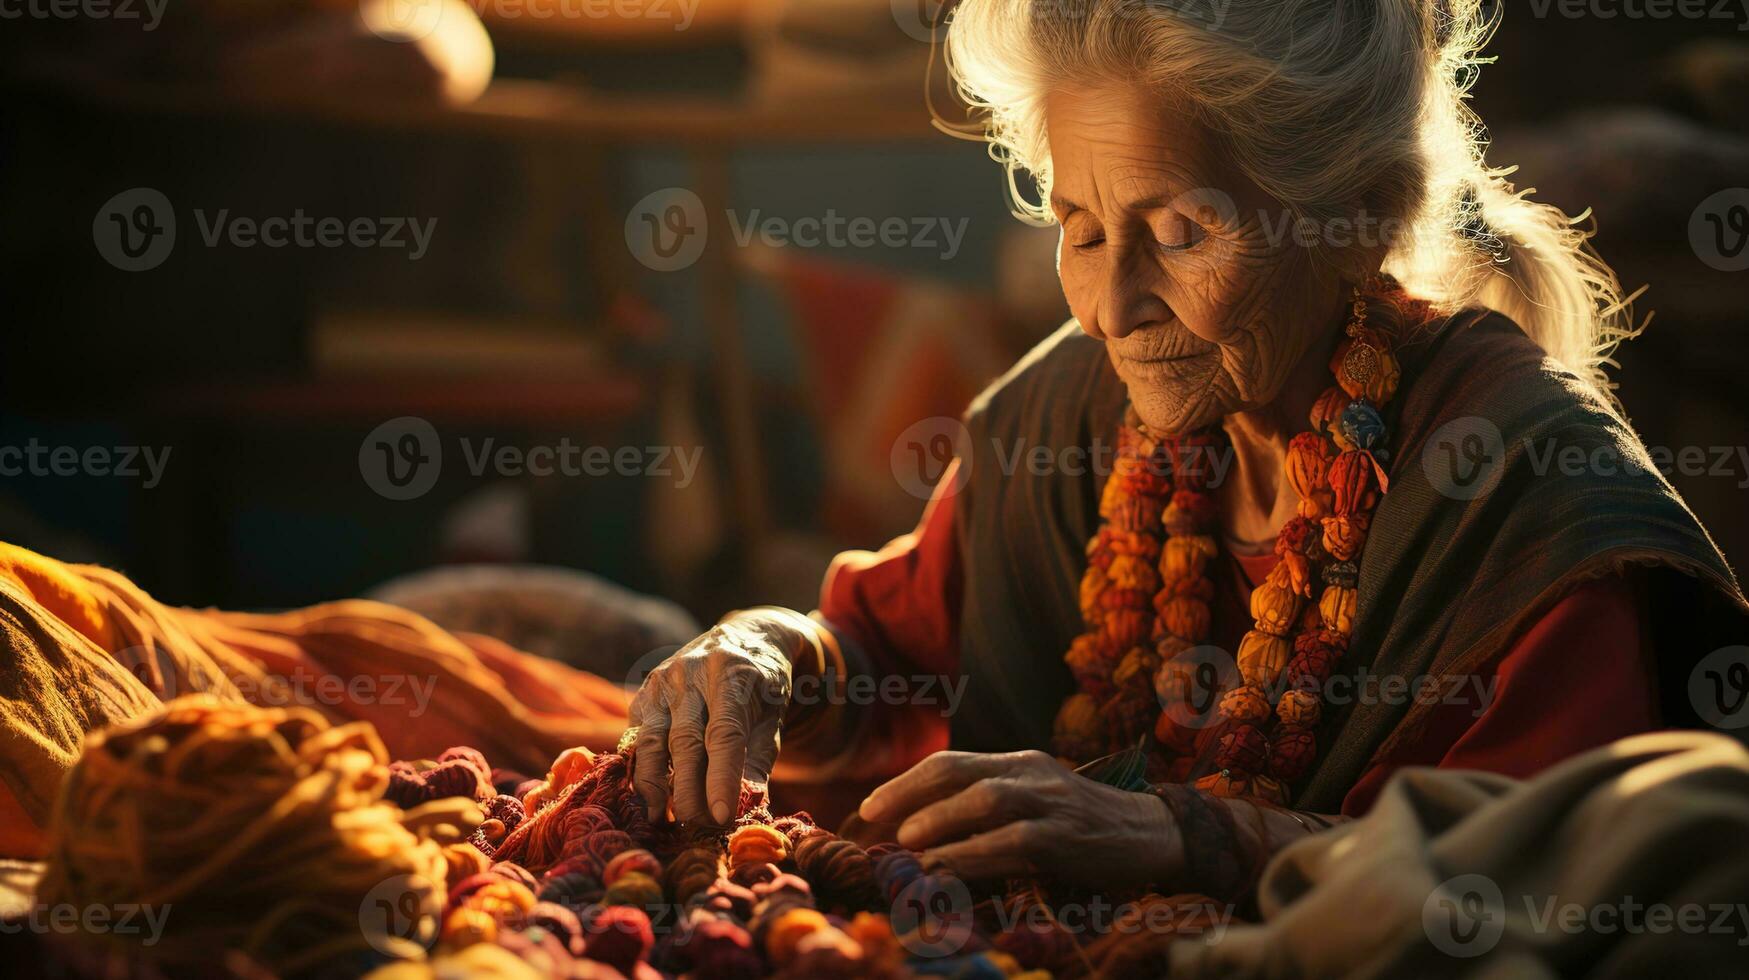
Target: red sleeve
1577, 679
898, 611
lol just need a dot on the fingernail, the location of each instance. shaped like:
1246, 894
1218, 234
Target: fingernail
720, 811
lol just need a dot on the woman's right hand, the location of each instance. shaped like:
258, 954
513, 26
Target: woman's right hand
712, 713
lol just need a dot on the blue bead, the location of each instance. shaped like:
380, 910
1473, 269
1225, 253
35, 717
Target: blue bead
1362, 425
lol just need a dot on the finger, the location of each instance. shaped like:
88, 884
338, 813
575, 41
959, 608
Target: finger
935, 778
984, 805
762, 748
1006, 852
686, 744
650, 758
726, 742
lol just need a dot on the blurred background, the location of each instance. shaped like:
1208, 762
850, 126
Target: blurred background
654, 232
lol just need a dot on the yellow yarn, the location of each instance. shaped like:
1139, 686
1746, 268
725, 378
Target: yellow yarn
264, 830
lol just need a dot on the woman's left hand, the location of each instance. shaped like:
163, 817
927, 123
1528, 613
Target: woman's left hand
1023, 814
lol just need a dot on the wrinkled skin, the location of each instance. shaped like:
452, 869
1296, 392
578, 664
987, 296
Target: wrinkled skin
1211, 313
712, 712
1018, 814
1178, 262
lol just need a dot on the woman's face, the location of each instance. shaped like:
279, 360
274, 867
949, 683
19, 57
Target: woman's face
1194, 278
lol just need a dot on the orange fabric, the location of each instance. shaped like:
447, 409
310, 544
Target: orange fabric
82, 647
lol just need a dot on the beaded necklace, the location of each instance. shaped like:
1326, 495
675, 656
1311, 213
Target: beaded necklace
1141, 667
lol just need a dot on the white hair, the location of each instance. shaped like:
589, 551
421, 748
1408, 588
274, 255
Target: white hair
1322, 103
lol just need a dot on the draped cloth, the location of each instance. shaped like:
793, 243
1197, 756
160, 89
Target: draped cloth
1464, 553
1619, 862
82, 647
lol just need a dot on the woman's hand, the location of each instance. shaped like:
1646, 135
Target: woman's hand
712, 713
1024, 813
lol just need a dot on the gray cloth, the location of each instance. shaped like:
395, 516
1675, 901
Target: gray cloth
1626, 861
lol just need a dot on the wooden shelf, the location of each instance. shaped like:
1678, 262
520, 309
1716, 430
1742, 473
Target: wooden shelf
531, 109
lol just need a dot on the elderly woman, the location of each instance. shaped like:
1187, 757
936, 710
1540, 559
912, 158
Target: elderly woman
1322, 357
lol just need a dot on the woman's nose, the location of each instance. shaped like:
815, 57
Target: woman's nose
1131, 299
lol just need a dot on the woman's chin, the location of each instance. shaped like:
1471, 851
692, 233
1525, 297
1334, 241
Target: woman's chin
1174, 411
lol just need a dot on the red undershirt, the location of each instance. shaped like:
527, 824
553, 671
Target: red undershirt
1577, 678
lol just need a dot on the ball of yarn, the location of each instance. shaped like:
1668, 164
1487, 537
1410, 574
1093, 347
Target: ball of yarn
543, 951
840, 871
594, 850
261, 826
512, 871
561, 922
794, 826
692, 871
464, 860
757, 844
471, 756
467, 926
410, 786
728, 898
619, 936
634, 888
501, 898
723, 950
478, 961
895, 870
787, 929
633, 859
503, 815
569, 768
573, 891
751, 873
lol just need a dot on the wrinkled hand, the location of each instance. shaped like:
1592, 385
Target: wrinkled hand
1025, 813
712, 712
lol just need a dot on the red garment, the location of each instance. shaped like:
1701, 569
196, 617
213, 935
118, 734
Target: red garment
1578, 678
